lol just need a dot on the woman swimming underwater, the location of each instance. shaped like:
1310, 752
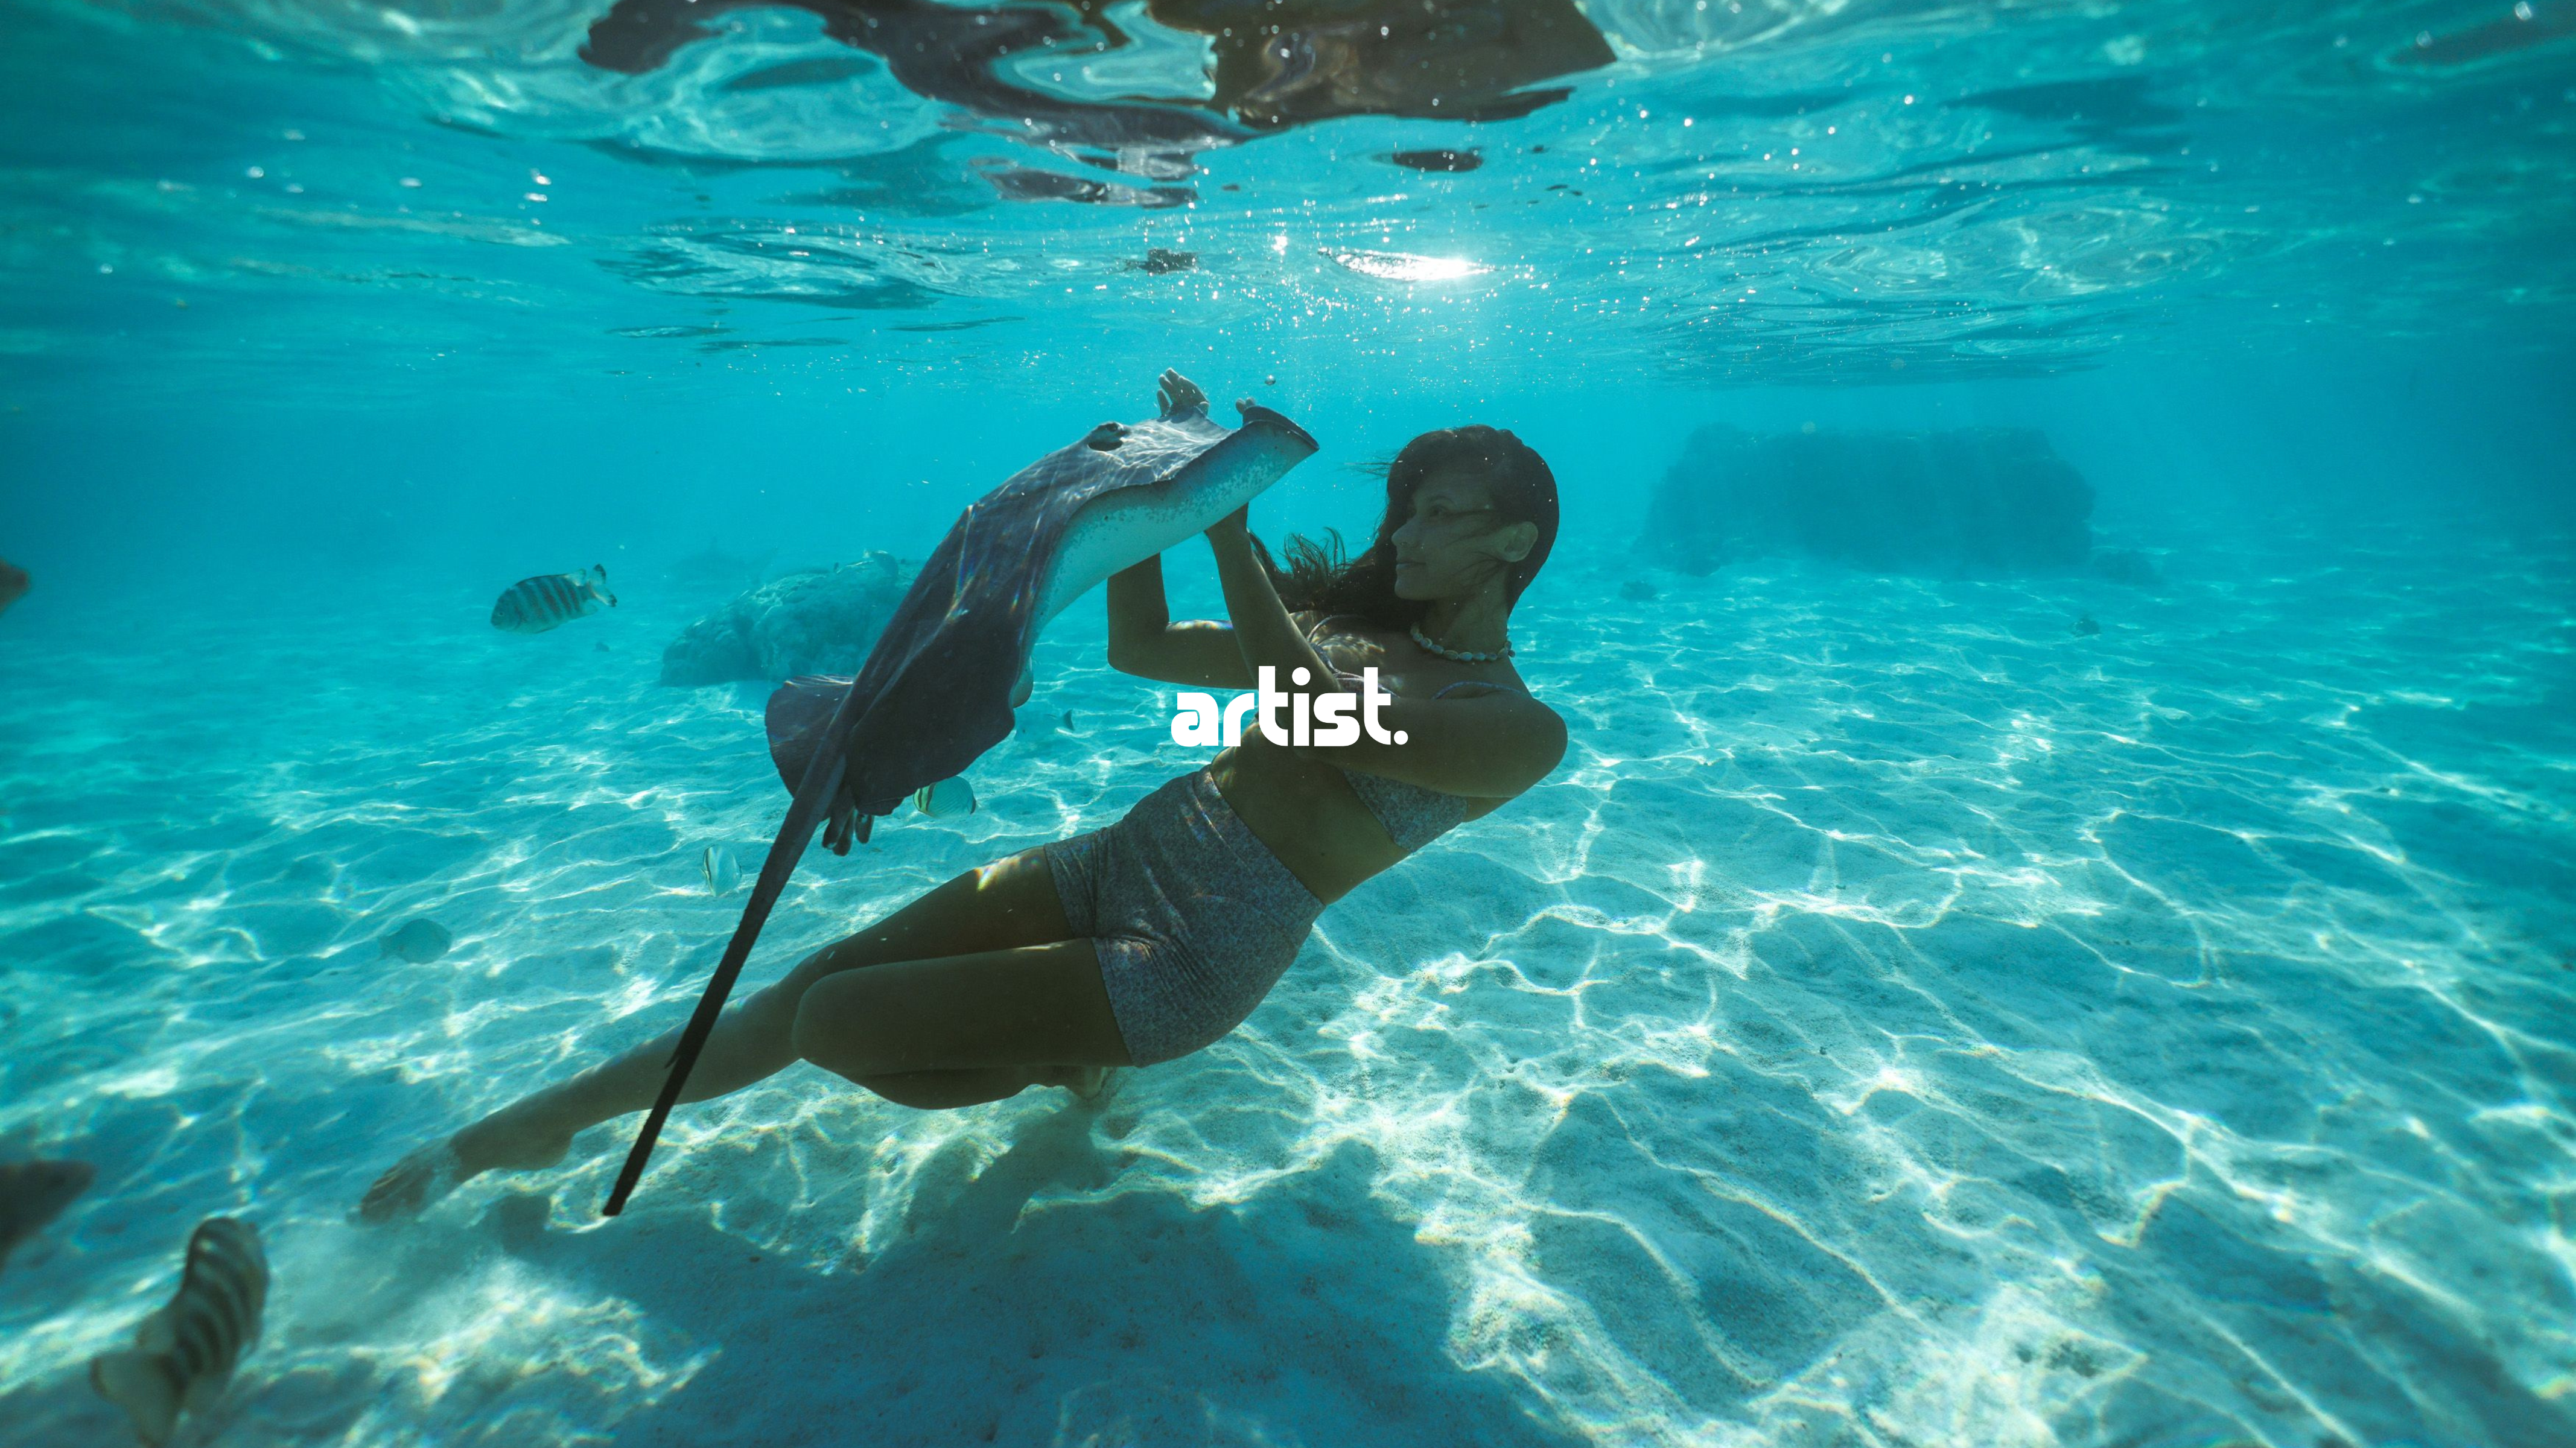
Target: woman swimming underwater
1156, 936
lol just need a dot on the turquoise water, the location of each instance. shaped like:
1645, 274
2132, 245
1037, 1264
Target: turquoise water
1903, 1019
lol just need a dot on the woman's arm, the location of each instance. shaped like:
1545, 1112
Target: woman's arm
1263, 632
1491, 746
1145, 642
1488, 746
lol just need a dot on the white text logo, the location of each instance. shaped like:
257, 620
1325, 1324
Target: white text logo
1313, 719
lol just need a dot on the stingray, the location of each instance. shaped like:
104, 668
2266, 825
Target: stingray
939, 688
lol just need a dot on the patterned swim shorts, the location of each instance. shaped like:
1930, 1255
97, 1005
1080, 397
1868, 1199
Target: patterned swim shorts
1194, 918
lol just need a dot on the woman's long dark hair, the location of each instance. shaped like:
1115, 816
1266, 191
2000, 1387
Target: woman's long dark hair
1319, 577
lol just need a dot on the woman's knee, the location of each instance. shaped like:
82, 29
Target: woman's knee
823, 964
849, 953
831, 1031
949, 1090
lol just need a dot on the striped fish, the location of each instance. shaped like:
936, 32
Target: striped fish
551, 600
184, 1354
721, 872
949, 797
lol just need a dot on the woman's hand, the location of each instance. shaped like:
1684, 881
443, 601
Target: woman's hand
1179, 396
1263, 630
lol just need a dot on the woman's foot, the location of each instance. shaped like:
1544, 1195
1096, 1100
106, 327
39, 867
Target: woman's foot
413, 1183
508, 1140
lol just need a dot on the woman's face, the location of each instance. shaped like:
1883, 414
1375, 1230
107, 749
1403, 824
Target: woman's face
1455, 539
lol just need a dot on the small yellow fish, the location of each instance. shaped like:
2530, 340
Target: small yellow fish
184, 1354
950, 796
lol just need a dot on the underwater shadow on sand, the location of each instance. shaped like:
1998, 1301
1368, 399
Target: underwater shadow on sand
1020, 1305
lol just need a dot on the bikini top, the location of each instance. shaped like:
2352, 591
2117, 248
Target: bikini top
1412, 815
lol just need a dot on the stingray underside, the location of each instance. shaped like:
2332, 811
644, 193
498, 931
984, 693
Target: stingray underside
935, 693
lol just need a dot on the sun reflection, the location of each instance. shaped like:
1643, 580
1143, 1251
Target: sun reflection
1398, 266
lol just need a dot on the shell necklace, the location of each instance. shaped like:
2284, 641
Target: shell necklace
1464, 656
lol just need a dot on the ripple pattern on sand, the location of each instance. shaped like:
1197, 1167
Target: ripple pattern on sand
1902, 1020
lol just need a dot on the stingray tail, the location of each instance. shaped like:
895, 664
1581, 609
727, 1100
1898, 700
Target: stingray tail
822, 784
146, 1385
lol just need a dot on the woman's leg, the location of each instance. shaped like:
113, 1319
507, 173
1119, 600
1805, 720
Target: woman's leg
1000, 910
987, 1016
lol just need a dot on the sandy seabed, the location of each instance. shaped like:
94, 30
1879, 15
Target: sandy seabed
1902, 1020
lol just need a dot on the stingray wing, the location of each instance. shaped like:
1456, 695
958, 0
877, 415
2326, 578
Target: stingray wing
935, 692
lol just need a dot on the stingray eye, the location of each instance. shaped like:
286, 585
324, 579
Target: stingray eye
1106, 437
